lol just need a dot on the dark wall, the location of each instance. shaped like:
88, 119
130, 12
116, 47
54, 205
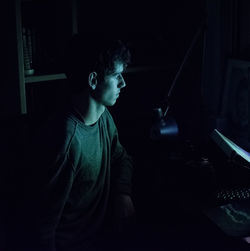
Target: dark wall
9, 90
159, 34
227, 38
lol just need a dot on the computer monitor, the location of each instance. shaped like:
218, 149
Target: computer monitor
235, 102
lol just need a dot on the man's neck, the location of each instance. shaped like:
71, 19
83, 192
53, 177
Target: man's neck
90, 110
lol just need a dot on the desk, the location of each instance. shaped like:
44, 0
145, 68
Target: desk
232, 218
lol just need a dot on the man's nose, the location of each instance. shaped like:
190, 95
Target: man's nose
122, 82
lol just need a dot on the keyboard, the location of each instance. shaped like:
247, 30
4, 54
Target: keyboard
225, 196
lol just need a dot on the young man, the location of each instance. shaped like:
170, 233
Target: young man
82, 173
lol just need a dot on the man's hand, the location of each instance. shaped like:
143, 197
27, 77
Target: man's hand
123, 213
246, 239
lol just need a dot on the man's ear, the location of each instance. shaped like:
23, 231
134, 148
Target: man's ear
93, 80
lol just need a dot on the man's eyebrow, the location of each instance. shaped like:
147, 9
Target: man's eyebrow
118, 72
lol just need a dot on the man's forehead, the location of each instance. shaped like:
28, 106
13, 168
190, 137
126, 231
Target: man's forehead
118, 67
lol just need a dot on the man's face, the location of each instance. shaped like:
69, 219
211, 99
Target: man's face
107, 91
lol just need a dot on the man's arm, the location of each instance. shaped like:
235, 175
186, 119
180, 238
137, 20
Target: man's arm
122, 167
47, 184
122, 171
45, 197
54, 195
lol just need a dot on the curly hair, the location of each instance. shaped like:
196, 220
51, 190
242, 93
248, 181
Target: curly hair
92, 52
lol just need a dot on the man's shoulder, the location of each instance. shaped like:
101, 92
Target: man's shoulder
62, 125
108, 118
107, 115
56, 133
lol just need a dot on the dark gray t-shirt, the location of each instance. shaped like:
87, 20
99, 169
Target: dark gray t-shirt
75, 168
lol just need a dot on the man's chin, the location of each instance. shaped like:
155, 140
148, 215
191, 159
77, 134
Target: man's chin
111, 103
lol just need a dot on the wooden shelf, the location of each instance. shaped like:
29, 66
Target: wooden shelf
49, 37
41, 78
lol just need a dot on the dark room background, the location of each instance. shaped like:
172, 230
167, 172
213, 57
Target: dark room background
159, 34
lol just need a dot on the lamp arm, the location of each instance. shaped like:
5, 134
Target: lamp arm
195, 38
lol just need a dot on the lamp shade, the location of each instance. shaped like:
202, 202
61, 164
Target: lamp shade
163, 127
